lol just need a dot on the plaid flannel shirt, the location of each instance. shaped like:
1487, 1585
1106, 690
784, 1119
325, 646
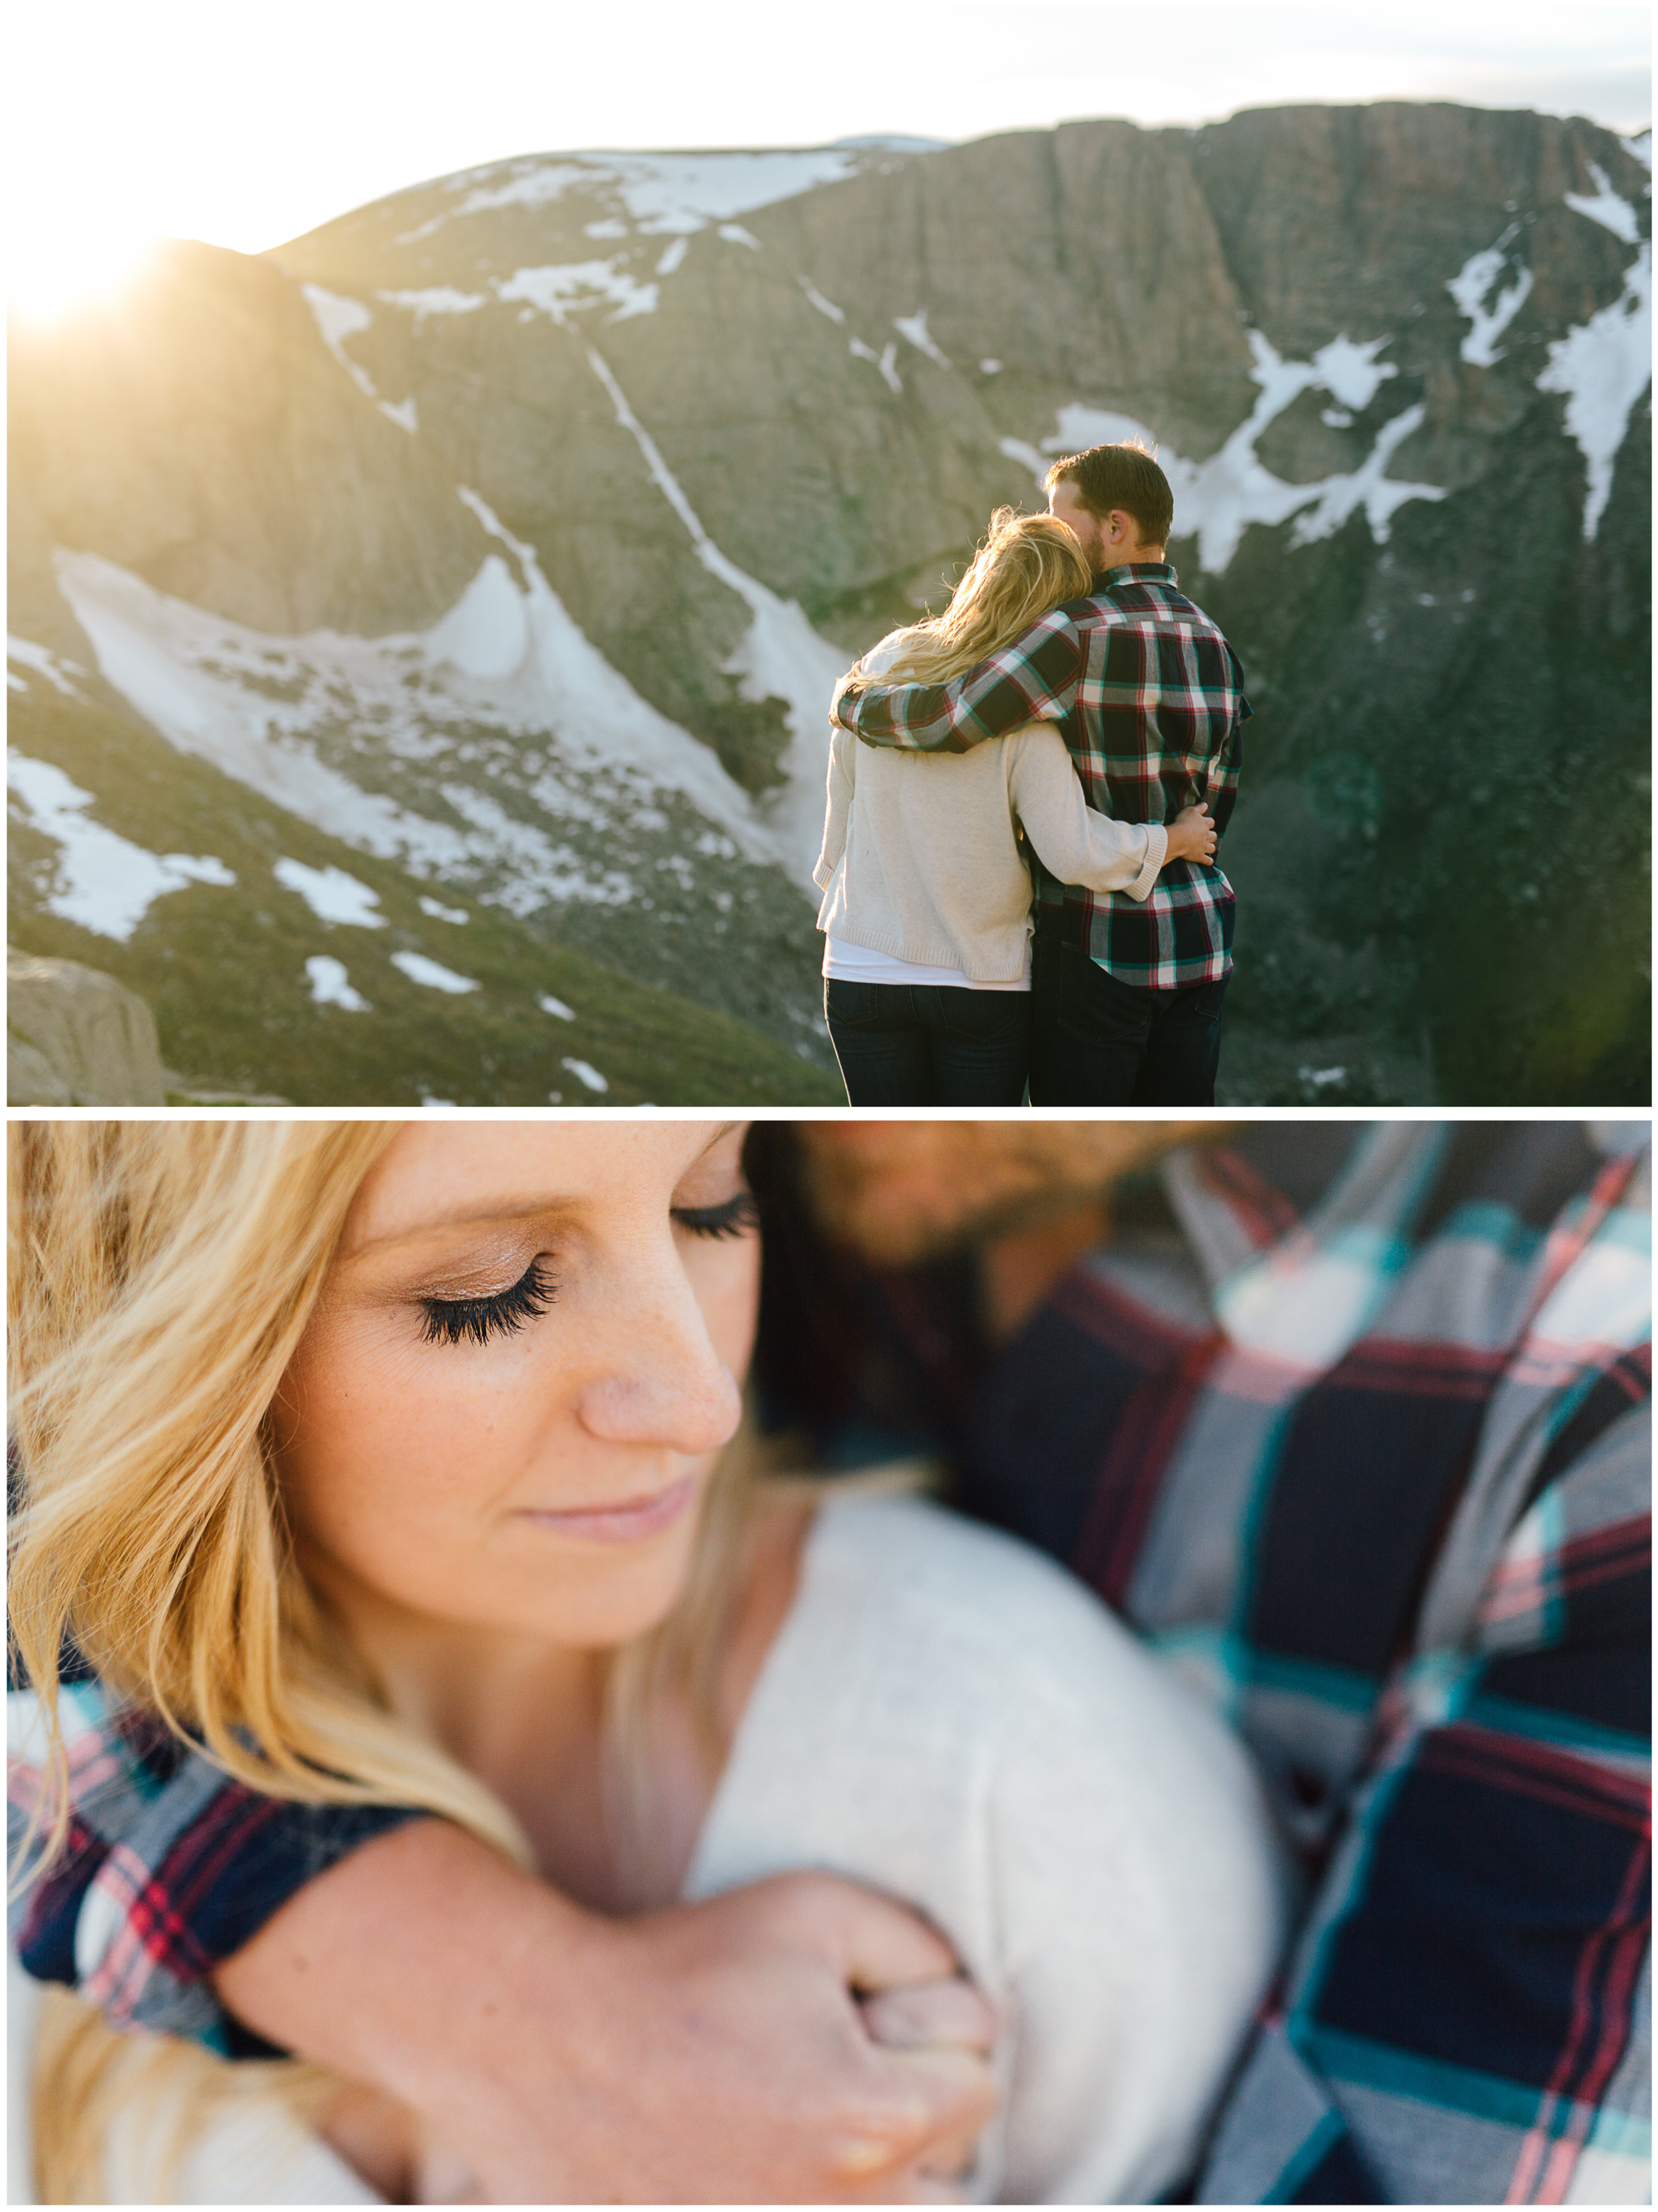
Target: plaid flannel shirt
1352, 1423
1149, 697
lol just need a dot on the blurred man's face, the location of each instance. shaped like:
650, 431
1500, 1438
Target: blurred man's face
903, 1190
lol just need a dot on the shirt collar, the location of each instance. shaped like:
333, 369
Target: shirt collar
1135, 572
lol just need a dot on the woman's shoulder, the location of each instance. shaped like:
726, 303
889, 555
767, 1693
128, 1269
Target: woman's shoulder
880, 657
937, 1633
1009, 1619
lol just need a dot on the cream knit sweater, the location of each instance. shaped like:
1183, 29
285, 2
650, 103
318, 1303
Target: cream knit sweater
919, 858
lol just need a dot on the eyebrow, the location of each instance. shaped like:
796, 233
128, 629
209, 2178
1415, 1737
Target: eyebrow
502, 1210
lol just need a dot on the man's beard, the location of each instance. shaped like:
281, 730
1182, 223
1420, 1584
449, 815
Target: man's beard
902, 1191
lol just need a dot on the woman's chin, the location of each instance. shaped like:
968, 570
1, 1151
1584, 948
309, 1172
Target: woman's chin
614, 1597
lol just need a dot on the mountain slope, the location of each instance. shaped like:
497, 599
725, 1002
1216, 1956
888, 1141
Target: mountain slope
278, 959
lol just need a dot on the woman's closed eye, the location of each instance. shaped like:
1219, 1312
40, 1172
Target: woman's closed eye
475, 1320
738, 1217
502, 1313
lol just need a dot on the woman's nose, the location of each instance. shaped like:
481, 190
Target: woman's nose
664, 1382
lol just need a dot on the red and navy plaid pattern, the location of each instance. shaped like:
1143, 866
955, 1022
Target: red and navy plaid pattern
1149, 696
170, 1866
1354, 1427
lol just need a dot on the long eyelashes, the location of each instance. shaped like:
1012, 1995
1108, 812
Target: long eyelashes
475, 1320
736, 1218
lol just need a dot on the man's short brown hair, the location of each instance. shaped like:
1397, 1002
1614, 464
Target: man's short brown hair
1122, 477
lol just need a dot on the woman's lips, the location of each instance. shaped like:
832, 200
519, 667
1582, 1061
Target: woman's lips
627, 1521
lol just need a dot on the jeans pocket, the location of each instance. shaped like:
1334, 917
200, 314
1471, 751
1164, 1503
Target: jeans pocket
984, 1017
862, 1005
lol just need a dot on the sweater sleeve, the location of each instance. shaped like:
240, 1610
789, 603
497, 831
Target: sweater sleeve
842, 773
1073, 841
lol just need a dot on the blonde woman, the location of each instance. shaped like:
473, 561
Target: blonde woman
926, 898
395, 1465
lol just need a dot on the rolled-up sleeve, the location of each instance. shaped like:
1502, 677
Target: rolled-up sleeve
169, 1868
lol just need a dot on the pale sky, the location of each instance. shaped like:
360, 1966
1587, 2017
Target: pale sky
244, 123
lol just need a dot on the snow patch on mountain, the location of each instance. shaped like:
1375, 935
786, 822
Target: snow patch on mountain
612, 725
1216, 500
59, 673
436, 749
823, 307
1350, 372
103, 882
1472, 288
184, 672
1607, 208
433, 974
331, 894
1020, 450
914, 327
660, 192
886, 361
1602, 366
1368, 488
330, 986
505, 691
435, 300
486, 632
580, 284
782, 657
339, 318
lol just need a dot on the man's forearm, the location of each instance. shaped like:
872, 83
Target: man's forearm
708, 2052
1033, 679
907, 717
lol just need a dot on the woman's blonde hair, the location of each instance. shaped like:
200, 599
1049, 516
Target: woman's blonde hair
161, 1276
1026, 564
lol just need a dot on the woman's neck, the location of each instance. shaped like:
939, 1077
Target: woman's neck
526, 1716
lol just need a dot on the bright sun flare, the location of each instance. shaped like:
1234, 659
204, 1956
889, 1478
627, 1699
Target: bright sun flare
52, 271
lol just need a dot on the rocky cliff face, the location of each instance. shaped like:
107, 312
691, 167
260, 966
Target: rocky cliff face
510, 531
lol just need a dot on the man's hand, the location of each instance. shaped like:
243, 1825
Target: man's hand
707, 2053
1192, 835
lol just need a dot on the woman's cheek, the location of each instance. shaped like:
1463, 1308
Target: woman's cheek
380, 1439
728, 1291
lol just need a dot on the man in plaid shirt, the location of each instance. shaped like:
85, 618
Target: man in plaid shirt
1351, 1421
1125, 995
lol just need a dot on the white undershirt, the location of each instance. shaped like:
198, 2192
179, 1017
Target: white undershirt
860, 964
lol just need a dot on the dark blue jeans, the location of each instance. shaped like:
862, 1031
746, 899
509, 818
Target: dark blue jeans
1095, 1041
929, 1044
